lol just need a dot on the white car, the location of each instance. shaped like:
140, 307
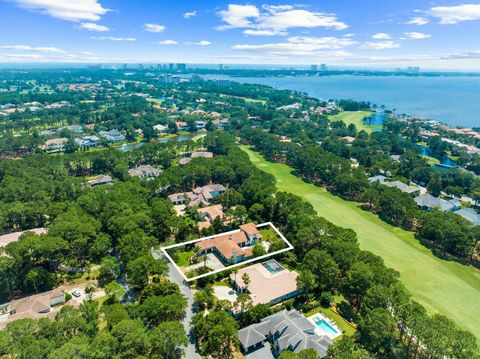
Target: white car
76, 293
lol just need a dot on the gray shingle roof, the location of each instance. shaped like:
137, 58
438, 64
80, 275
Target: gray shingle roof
469, 214
249, 336
293, 332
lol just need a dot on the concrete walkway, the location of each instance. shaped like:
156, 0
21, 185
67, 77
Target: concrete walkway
175, 277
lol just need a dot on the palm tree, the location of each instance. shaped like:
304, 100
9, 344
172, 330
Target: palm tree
246, 280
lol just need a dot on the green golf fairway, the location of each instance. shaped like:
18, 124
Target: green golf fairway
355, 117
445, 287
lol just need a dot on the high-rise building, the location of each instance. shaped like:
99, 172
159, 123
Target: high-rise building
181, 67
323, 67
125, 66
313, 67
196, 78
220, 67
140, 66
171, 67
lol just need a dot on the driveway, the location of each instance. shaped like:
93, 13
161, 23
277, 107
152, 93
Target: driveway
175, 277
212, 262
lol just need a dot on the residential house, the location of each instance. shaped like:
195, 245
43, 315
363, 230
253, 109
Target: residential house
221, 123
412, 190
200, 125
88, 142
232, 247
112, 136
379, 178
349, 139
428, 202
99, 180
285, 330
199, 195
182, 126
13, 237
55, 144
35, 306
208, 214
470, 215
73, 128
144, 171
270, 283
161, 129
196, 154
50, 132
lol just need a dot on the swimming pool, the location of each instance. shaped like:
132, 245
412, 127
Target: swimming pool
326, 327
272, 266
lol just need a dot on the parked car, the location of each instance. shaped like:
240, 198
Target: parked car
76, 292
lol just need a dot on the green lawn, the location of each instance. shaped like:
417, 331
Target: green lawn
345, 326
432, 161
355, 117
182, 258
446, 287
154, 100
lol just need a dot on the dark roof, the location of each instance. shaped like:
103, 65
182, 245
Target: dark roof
293, 331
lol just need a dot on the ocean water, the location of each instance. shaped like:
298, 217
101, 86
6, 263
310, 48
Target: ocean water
452, 100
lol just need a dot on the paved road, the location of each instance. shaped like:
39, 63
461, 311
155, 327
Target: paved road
175, 277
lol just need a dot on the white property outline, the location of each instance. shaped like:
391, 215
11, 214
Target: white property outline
268, 255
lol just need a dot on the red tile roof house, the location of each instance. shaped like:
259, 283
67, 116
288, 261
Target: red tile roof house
182, 126
208, 214
233, 247
270, 283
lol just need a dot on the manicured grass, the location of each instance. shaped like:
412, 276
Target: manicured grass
155, 100
432, 161
450, 288
268, 234
181, 258
247, 99
356, 117
346, 327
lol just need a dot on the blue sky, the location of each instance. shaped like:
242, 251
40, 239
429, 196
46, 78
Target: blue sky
430, 34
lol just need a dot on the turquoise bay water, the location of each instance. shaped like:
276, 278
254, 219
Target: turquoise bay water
452, 100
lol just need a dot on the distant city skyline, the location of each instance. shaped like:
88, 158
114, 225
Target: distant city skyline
348, 33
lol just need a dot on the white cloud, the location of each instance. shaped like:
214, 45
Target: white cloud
380, 45
201, 43
252, 32
417, 20
167, 42
275, 8
15, 57
276, 18
301, 46
416, 35
90, 26
381, 36
456, 14
300, 18
154, 27
32, 48
190, 14
323, 42
238, 16
70, 10
113, 38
